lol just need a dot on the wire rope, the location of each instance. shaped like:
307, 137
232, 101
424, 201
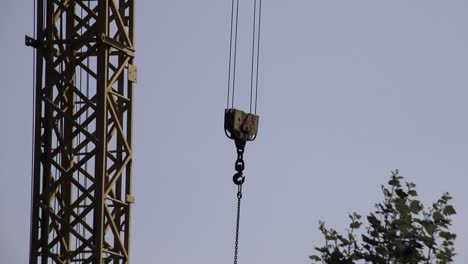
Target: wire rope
253, 54
230, 54
258, 52
235, 55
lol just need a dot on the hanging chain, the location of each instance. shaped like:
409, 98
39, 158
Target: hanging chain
236, 244
238, 179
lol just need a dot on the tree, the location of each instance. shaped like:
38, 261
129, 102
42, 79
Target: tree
399, 230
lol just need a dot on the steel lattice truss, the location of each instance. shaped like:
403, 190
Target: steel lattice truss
83, 131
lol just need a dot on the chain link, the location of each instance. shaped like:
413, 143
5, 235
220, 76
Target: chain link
239, 166
236, 244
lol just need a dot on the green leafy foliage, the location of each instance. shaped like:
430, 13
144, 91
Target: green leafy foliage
399, 230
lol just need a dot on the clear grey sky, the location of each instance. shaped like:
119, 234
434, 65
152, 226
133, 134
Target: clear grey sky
349, 90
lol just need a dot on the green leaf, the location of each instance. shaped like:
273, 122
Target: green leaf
343, 240
394, 182
449, 210
429, 226
315, 258
355, 225
401, 193
404, 228
447, 235
415, 207
413, 193
386, 192
437, 216
400, 205
373, 221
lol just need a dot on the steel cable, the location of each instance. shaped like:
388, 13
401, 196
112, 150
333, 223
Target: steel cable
230, 54
235, 55
258, 51
253, 53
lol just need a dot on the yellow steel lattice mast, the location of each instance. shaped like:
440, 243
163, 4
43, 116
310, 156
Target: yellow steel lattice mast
82, 177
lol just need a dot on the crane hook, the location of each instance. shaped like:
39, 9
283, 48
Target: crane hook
240, 127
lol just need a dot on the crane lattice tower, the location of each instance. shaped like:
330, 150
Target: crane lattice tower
82, 177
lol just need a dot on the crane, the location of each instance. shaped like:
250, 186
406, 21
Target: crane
85, 74
82, 165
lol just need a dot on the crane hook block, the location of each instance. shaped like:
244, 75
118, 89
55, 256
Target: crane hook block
240, 126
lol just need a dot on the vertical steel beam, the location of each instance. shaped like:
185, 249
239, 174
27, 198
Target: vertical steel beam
67, 155
85, 76
36, 189
130, 85
101, 131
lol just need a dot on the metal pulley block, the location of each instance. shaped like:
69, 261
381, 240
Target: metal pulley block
240, 126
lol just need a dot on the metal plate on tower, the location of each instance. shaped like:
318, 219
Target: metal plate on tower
132, 73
